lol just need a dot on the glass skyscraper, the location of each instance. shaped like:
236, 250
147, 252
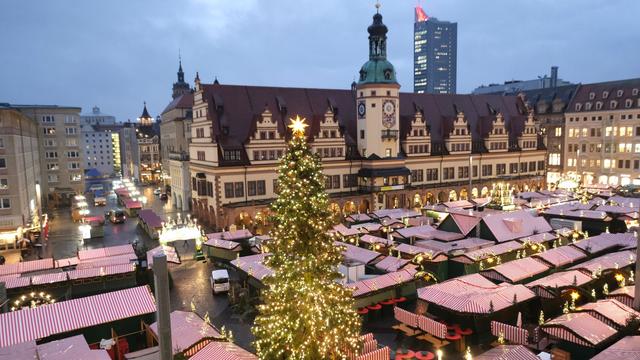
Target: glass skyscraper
435, 47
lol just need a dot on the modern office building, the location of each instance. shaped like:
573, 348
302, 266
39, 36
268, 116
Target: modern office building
101, 144
20, 177
61, 153
435, 54
513, 87
148, 135
380, 148
602, 124
175, 132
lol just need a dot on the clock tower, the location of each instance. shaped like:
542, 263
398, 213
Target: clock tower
377, 98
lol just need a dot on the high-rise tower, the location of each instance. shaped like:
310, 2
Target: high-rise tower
180, 87
435, 46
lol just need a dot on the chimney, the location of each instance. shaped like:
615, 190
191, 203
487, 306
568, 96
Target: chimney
554, 76
161, 279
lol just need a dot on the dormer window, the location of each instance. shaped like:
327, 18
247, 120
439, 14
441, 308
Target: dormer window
599, 105
628, 103
605, 94
634, 92
613, 104
592, 95
587, 106
578, 107
387, 74
620, 93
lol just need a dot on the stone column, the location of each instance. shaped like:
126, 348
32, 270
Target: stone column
161, 278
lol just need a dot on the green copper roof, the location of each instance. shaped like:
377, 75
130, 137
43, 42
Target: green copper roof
378, 71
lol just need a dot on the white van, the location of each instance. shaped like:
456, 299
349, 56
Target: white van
219, 281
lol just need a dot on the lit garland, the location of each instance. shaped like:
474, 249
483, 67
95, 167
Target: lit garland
305, 314
32, 300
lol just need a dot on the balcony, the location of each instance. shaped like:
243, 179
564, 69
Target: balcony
389, 134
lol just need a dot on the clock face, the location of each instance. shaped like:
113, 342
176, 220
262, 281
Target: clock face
389, 108
362, 109
388, 114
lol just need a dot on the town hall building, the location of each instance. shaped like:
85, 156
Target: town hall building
380, 148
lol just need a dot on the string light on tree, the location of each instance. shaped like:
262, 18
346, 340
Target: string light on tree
305, 313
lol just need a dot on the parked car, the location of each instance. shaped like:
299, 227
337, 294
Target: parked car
164, 196
219, 281
116, 216
157, 191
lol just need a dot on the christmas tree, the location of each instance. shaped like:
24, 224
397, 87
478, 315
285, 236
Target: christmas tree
305, 313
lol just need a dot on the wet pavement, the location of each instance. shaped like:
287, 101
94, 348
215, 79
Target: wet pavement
190, 280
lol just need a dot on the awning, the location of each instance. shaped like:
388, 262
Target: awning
223, 351
61, 317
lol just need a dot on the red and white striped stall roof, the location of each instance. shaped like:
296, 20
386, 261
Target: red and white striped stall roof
26, 266
454, 247
513, 334
474, 294
169, 251
16, 282
370, 239
607, 262
516, 270
223, 351
561, 256
364, 256
539, 238
391, 263
579, 328
49, 278
507, 352
358, 218
106, 261
61, 317
627, 348
187, 328
507, 226
480, 254
67, 262
396, 213
364, 287
420, 232
345, 231
74, 347
625, 295
367, 227
558, 280
609, 311
101, 271
236, 235
26, 350
606, 241
105, 252
253, 265
380, 354
223, 244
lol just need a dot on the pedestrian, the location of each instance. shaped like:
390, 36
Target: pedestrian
184, 244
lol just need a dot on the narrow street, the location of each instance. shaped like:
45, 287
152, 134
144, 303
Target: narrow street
190, 280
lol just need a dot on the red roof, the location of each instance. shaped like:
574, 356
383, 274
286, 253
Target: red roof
420, 14
626, 349
507, 352
187, 328
223, 351
65, 316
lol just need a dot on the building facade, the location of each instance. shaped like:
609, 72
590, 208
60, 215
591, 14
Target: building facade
148, 135
101, 143
61, 153
602, 143
435, 54
549, 106
513, 87
175, 132
380, 148
20, 170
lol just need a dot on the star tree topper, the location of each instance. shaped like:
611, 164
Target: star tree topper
298, 125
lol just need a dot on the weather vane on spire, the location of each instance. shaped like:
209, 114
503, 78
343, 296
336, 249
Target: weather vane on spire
378, 6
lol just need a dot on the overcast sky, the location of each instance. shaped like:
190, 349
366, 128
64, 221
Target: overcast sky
118, 53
